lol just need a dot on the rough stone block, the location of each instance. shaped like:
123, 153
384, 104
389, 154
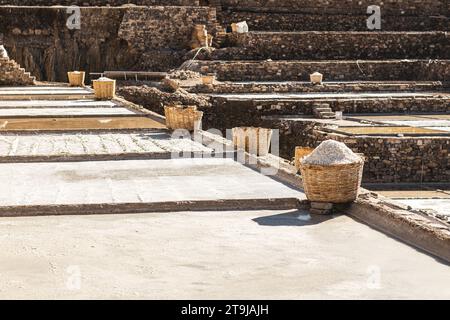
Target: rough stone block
320, 212
321, 205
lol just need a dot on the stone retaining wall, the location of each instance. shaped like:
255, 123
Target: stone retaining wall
404, 159
408, 70
162, 27
252, 109
335, 45
389, 159
288, 21
110, 3
268, 87
392, 7
343, 15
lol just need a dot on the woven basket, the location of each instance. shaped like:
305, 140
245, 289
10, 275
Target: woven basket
334, 183
187, 118
208, 79
316, 78
105, 89
301, 152
253, 140
76, 78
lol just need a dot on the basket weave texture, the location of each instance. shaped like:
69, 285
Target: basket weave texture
301, 152
334, 183
316, 78
105, 89
76, 79
188, 118
207, 80
253, 140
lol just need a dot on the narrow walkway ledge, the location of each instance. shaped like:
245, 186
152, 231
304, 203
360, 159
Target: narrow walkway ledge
419, 230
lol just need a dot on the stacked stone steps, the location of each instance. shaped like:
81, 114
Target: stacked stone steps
323, 111
12, 74
333, 70
335, 45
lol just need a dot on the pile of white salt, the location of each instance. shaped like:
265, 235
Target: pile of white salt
331, 152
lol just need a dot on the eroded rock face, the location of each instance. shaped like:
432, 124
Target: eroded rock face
120, 38
42, 43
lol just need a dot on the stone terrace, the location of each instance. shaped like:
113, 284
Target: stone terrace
183, 204
403, 68
64, 153
152, 38
336, 15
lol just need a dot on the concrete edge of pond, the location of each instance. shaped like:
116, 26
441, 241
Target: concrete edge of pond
113, 156
422, 232
149, 207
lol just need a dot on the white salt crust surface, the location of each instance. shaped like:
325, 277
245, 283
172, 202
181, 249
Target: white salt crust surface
331, 152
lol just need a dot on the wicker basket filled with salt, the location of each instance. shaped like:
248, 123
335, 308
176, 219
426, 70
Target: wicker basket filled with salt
253, 140
180, 117
332, 173
105, 88
76, 78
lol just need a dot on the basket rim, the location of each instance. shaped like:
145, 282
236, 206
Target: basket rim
247, 128
361, 162
180, 107
103, 81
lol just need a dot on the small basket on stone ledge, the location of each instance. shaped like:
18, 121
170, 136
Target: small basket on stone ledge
105, 88
179, 117
209, 79
76, 78
316, 78
332, 173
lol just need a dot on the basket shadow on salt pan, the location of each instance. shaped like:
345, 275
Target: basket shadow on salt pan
295, 218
